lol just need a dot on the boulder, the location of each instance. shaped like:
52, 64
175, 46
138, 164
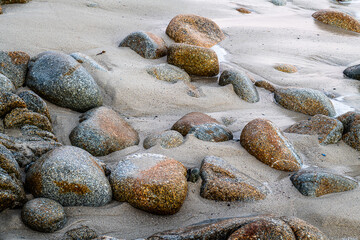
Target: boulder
23, 116
351, 134
187, 122
338, 19
353, 72
14, 66
169, 73
211, 132
167, 139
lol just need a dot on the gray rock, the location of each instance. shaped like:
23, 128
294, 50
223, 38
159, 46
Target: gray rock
243, 86
169, 73
8, 162
82, 58
80, 233
14, 66
33, 131
6, 84
43, 215
211, 132
279, 2
353, 72
351, 134
35, 103
166, 139
102, 131
70, 176
60, 79
9, 101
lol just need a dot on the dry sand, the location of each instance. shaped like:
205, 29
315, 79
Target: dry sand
254, 43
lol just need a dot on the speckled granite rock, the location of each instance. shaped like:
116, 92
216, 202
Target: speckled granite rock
287, 68
338, 19
84, 183
60, 79
23, 116
243, 86
8, 162
252, 227
194, 30
80, 233
168, 73
84, 59
43, 215
158, 187
351, 134
265, 141
33, 131
193, 59
102, 131
6, 84
211, 132
279, 2
329, 129
353, 72
146, 44
187, 122
193, 174
317, 182
12, 193
243, 10
166, 139
222, 182
9, 101
35, 103
14, 66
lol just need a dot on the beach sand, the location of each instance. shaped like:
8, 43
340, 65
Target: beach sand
254, 43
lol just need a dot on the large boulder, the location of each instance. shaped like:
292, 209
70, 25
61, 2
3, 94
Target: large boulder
70, 176
190, 120
14, 66
338, 19
102, 131
60, 79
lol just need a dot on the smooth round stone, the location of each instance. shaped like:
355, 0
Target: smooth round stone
43, 215
169, 73
211, 132
338, 19
166, 139
6, 84
287, 68
353, 72
188, 121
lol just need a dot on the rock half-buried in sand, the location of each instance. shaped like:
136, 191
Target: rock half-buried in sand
351, 134
14, 66
286, 68
211, 132
150, 182
193, 59
317, 182
194, 30
167, 139
222, 182
338, 19
70, 176
265, 141
279, 2
169, 73
102, 131
60, 79
353, 72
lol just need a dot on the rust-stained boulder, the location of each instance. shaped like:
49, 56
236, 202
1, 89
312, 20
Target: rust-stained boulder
190, 120
150, 182
23, 116
194, 30
9, 101
265, 141
351, 134
338, 19
8, 162
14, 66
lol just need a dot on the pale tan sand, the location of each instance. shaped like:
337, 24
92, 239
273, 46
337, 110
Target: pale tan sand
255, 42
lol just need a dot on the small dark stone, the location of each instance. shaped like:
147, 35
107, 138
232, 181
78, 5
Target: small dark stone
211, 132
9, 101
80, 233
35, 103
193, 174
14, 65
22, 116
353, 72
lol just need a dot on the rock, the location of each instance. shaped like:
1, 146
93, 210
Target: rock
159, 186
102, 131
265, 84
317, 182
194, 30
353, 72
1, 10
279, 2
187, 122
8, 162
9, 101
104, 237
167, 139
338, 19
222, 182
82, 58
351, 134
22, 116
287, 68
6, 84
35, 103
265, 141
146, 44
70, 176
31, 131
243, 10
80, 233
329, 129
168, 73
211, 132
192, 90
292, 228
193, 174
43, 215
60, 79
14, 66
193, 59
243, 86
12, 193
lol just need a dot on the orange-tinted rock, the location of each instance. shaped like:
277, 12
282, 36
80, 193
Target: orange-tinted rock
23, 116
243, 10
1, 10
351, 134
194, 30
150, 182
9, 101
303, 230
287, 68
265, 141
338, 19
14, 65
184, 124
193, 59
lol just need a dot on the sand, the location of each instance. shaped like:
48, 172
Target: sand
255, 43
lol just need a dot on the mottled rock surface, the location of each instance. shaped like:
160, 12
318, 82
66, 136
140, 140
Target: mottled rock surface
338, 19
211, 132
243, 86
22, 116
166, 139
194, 30
35, 103
6, 84
146, 44
44, 215
33, 131
169, 73
70, 176
222, 182
351, 134
8, 162
187, 122
287, 68
317, 182
329, 129
9, 101
102, 131
279, 2
353, 72
80, 233
60, 79
303, 230
159, 186
265, 141
14, 66
193, 59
